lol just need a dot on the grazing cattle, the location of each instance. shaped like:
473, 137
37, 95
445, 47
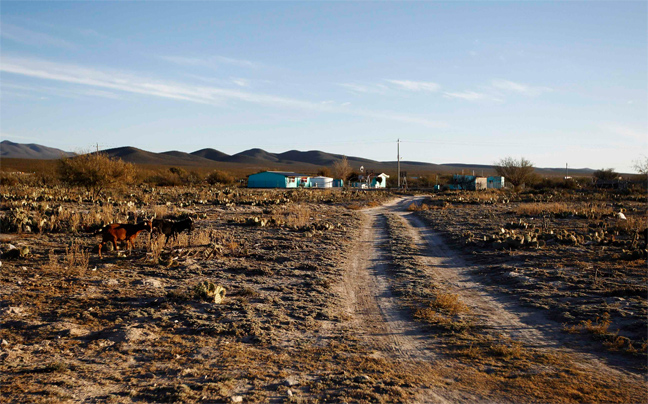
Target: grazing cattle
122, 232
171, 228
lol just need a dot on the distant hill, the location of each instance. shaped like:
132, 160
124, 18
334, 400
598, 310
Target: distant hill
211, 154
31, 151
256, 159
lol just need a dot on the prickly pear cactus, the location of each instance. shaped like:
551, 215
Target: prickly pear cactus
208, 291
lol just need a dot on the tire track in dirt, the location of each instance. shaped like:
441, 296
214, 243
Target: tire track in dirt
499, 313
378, 318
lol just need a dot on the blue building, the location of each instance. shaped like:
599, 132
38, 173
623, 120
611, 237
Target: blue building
468, 182
495, 182
278, 179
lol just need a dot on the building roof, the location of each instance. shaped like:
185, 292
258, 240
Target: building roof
285, 173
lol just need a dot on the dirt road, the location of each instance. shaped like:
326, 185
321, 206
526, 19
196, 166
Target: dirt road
529, 346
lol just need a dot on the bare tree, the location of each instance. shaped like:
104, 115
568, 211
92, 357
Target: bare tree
342, 169
641, 165
517, 172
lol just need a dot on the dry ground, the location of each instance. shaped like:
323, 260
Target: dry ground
329, 298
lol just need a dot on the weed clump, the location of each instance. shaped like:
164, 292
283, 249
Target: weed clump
210, 292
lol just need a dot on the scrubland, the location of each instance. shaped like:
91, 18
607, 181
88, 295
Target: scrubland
248, 307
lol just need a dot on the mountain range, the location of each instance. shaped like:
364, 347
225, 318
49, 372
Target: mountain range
257, 159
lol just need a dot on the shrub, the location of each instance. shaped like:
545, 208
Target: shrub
220, 177
606, 174
95, 172
209, 292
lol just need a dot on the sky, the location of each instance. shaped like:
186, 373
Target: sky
457, 82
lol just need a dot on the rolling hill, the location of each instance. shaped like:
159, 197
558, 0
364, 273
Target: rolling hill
31, 151
258, 159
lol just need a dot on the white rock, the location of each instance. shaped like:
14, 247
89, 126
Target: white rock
236, 399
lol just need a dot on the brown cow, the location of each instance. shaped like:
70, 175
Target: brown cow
122, 232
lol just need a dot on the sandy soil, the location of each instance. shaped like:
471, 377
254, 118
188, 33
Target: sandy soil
387, 326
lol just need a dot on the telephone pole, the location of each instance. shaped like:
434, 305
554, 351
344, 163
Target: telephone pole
398, 160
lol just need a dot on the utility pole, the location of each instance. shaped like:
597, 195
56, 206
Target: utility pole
566, 170
398, 160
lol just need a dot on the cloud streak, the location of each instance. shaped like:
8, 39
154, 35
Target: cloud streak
466, 95
126, 82
519, 88
33, 38
415, 85
211, 62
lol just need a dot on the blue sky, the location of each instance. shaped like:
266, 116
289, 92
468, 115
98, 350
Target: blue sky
467, 82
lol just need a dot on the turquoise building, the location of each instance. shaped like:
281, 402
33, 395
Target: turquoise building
278, 179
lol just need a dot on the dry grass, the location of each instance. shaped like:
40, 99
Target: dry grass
449, 303
297, 215
416, 207
76, 257
203, 237
156, 246
74, 261
588, 210
598, 327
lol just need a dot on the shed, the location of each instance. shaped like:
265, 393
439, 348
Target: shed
495, 182
278, 179
468, 182
379, 181
321, 182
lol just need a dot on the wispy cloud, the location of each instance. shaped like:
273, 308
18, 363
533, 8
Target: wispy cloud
61, 92
33, 38
466, 95
365, 88
211, 61
241, 82
126, 82
415, 85
380, 88
519, 88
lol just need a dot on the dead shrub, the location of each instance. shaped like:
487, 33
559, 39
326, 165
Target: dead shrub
156, 246
508, 349
598, 327
218, 177
76, 257
95, 172
448, 303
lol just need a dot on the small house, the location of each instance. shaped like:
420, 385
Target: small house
278, 179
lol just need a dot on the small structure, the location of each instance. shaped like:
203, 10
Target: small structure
338, 183
379, 181
371, 181
468, 182
495, 182
321, 182
278, 179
